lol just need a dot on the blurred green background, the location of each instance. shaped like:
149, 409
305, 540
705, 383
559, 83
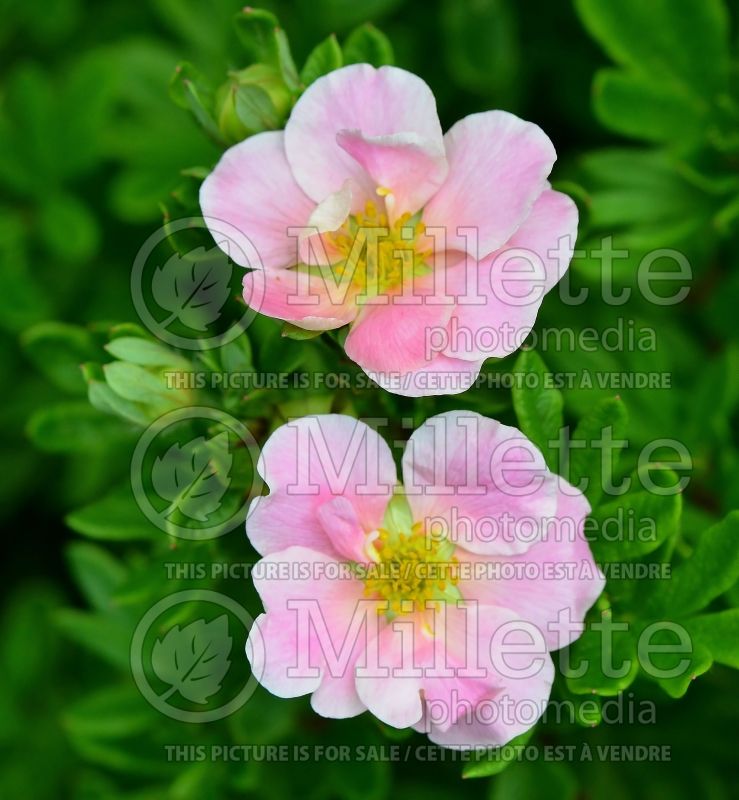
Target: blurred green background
640, 101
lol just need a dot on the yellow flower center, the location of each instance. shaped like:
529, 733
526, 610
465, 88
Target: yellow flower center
377, 257
412, 569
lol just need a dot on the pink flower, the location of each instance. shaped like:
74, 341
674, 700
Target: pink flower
435, 249
433, 605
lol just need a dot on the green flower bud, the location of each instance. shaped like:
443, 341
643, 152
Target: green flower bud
254, 99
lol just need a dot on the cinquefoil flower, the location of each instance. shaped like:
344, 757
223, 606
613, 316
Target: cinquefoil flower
435, 605
436, 250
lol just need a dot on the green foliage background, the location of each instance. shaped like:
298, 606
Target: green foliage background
640, 99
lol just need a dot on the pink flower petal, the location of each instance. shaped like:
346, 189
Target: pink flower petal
441, 376
499, 298
341, 524
310, 461
301, 296
393, 337
439, 667
377, 102
252, 188
412, 168
498, 166
286, 652
480, 483
562, 574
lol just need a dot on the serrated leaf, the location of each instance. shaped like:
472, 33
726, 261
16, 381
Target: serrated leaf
539, 406
605, 422
606, 656
194, 477
635, 523
718, 633
194, 660
712, 568
324, 58
637, 106
689, 48
193, 289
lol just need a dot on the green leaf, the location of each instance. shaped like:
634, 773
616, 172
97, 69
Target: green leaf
290, 331
73, 428
68, 228
97, 573
255, 109
719, 634
603, 660
712, 568
367, 45
115, 517
538, 406
114, 712
106, 636
637, 106
145, 352
496, 759
536, 780
58, 350
324, 58
635, 523
194, 660
265, 42
689, 47
604, 423
481, 45
255, 28
137, 384
189, 90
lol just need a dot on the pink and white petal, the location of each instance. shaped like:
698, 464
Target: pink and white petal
441, 376
377, 102
498, 167
498, 299
310, 461
411, 168
482, 484
391, 333
341, 524
304, 296
492, 316
515, 707
288, 647
253, 190
557, 574
549, 232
